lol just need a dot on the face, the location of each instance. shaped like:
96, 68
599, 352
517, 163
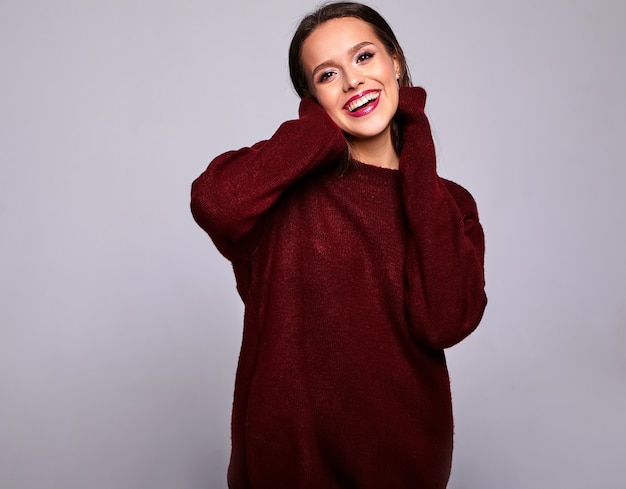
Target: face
352, 76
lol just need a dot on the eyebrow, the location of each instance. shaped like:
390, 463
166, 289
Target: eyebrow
351, 52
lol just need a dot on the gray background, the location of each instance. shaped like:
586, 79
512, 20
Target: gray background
120, 324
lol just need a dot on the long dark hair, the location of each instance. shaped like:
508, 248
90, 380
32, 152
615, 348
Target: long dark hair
336, 10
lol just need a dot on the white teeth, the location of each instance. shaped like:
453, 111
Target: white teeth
360, 102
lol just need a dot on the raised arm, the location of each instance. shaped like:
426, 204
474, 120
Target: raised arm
444, 263
238, 187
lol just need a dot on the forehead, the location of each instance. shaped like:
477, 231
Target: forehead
334, 38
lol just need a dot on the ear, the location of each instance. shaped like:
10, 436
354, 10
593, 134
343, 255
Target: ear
396, 66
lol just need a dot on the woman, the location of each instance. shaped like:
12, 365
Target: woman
357, 266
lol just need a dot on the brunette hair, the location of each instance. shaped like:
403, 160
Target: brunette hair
336, 10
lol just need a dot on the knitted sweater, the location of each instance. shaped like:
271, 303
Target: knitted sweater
353, 285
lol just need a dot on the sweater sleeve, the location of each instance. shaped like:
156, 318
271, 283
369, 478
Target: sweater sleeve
238, 187
445, 254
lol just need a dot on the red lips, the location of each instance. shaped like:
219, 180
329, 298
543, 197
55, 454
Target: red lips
364, 109
358, 96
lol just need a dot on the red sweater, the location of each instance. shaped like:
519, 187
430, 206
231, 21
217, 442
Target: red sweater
353, 285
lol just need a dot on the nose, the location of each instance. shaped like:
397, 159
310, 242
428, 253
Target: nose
351, 80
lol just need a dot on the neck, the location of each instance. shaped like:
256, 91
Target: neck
376, 151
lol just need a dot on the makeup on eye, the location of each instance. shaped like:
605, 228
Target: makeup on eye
355, 51
364, 56
325, 76
359, 58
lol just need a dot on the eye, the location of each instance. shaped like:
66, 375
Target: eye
325, 76
364, 56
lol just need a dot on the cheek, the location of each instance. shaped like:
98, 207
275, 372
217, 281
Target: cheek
394, 92
396, 98
329, 103
326, 100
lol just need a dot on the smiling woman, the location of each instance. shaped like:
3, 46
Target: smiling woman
353, 76
354, 278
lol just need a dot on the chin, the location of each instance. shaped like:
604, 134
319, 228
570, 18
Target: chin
371, 132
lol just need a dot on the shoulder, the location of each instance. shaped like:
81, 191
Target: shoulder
462, 197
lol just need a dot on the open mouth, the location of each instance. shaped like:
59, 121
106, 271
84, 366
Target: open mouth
362, 101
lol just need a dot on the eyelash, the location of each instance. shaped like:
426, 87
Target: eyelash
361, 57
325, 76
364, 56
